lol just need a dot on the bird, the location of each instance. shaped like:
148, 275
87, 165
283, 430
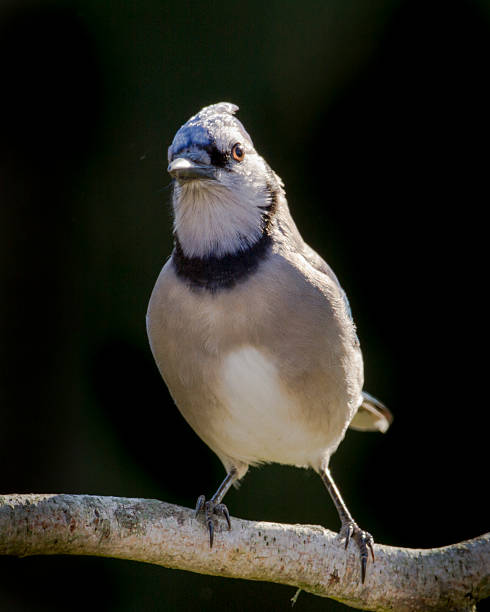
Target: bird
249, 326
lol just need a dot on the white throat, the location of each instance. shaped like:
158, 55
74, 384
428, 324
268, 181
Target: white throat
210, 219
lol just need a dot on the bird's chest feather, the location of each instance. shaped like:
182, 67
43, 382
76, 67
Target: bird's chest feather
253, 361
263, 420
191, 330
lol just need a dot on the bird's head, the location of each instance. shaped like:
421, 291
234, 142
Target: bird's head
224, 191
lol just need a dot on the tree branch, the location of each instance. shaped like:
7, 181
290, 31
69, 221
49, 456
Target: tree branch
305, 556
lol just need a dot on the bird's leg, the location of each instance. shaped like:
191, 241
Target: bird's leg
214, 505
349, 528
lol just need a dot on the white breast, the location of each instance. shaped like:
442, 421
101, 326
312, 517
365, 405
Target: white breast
263, 421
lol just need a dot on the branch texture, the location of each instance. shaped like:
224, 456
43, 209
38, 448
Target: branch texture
304, 556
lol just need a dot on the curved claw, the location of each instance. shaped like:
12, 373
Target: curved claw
371, 546
199, 505
348, 535
222, 509
210, 510
364, 541
363, 568
210, 523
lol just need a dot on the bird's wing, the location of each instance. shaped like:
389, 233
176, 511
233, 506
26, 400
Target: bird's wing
372, 415
320, 264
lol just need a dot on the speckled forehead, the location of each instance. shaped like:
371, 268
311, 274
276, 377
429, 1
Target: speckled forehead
209, 129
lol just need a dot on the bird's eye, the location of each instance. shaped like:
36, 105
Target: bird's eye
238, 152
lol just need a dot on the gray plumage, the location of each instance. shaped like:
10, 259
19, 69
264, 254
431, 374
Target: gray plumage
250, 328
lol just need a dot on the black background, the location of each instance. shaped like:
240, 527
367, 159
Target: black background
376, 117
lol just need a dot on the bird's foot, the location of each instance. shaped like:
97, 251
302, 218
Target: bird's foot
211, 510
364, 540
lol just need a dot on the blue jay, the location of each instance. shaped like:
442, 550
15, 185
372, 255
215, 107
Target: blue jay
248, 325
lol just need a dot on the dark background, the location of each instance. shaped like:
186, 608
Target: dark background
376, 116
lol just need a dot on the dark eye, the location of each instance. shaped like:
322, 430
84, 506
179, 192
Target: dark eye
238, 152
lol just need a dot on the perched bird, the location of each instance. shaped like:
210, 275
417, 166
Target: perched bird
249, 327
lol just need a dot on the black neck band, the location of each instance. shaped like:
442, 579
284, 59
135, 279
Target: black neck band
213, 273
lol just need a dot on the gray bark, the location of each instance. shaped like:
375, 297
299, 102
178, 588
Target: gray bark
304, 556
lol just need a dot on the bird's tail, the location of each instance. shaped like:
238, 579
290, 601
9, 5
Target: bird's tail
372, 415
